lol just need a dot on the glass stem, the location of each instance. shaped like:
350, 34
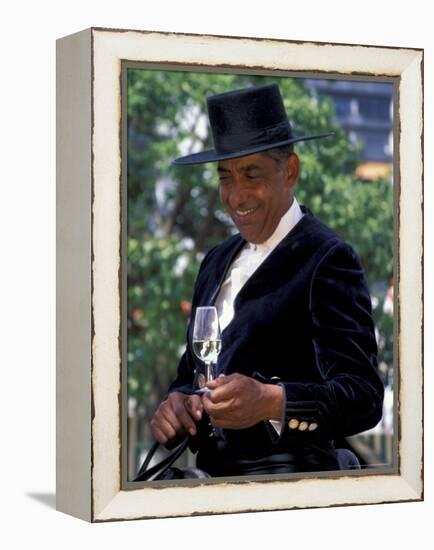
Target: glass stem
209, 371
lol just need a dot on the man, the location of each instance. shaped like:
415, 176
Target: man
297, 368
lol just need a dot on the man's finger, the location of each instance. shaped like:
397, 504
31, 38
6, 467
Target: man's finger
216, 382
223, 392
159, 436
163, 430
184, 418
212, 408
195, 406
172, 418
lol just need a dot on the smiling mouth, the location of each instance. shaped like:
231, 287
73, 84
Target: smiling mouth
244, 213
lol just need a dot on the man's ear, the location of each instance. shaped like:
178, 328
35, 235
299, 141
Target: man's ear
293, 169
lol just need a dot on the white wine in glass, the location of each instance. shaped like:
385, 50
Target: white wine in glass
206, 339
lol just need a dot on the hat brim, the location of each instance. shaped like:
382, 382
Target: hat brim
213, 156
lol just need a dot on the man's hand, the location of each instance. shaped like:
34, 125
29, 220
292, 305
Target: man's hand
175, 417
237, 401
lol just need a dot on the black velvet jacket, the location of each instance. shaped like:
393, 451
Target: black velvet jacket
304, 316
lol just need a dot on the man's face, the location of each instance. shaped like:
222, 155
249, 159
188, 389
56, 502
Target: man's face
256, 192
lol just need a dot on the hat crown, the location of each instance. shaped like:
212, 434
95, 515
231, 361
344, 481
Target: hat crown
247, 118
244, 122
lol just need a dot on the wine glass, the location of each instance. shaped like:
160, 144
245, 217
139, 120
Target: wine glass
207, 340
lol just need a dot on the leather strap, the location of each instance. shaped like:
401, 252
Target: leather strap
144, 474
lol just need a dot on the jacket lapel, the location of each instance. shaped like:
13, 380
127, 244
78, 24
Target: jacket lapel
219, 270
282, 263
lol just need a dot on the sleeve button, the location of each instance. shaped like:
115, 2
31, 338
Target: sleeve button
313, 426
293, 424
303, 426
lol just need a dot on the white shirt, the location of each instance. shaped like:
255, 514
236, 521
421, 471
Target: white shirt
246, 263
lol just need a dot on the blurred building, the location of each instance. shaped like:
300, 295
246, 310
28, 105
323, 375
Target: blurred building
365, 111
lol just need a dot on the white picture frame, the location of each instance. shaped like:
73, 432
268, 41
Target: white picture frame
90, 379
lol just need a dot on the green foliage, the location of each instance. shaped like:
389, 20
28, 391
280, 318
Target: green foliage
174, 213
359, 211
161, 275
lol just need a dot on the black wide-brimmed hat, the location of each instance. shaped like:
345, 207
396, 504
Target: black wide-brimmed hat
244, 122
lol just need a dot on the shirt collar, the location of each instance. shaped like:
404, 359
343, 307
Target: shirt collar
291, 217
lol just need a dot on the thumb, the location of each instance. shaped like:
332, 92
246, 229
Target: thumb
219, 381
195, 407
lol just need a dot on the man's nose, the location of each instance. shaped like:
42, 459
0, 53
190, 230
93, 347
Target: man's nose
238, 196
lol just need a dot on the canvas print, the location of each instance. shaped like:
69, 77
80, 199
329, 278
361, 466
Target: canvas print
259, 252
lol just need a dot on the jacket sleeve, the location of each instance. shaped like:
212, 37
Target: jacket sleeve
185, 380
349, 398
